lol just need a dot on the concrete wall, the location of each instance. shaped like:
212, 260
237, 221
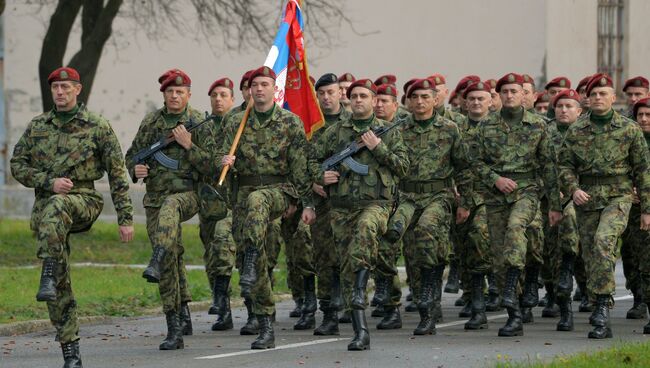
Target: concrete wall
638, 47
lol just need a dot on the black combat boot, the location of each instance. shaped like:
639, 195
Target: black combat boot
565, 282
427, 325
185, 319
526, 314
646, 328
392, 319
330, 324
600, 320
248, 275
71, 355
174, 339
378, 312
466, 311
361, 340
551, 310
585, 304
346, 317
410, 306
479, 319
638, 310
251, 327
453, 282
310, 304
409, 296
359, 289
154, 269
296, 312
493, 303
425, 299
47, 287
266, 338
513, 326
531, 288
224, 319
436, 313
336, 300
306, 322
566, 314
382, 290
222, 304
509, 298
462, 300
577, 296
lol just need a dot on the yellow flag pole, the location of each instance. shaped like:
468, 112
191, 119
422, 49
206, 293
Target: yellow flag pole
235, 142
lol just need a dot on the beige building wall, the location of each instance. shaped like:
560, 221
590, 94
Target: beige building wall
637, 45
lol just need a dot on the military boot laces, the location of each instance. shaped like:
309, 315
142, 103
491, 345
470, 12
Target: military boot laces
330, 324
220, 293
359, 291
509, 298
174, 339
361, 340
296, 312
453, 282
252, 326
266, 338
478, 320
638, 310
646, 328
493, 303
436, 313
426, 289
381, 290
551, 310
514, 325
71, 355
311, 303
47, 287
600, 321
186, 319
248, 275
153, 270
565, 282
336, 300
392, 320
426, 326
531, 289
566, 314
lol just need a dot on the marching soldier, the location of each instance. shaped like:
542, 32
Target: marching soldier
345, 80
635, 89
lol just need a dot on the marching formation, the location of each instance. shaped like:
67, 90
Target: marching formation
510, 187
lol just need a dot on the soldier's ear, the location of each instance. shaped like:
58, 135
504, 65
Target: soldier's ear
78, 88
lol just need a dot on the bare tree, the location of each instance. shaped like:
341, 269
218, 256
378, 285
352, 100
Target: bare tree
230, 25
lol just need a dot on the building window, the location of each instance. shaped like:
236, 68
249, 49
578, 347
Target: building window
610, 39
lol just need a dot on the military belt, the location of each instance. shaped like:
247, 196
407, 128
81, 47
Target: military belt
603, 180
425, 186
260, 180
518, 175
359, 203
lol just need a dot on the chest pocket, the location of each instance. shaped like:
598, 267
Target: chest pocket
526, 143
493, 141
583, 148
44, 147
616, 148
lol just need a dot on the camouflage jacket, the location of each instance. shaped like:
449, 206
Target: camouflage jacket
277, 147
467, 182
401, 113
81, 149
522, 152
387, 162
456, 117
198, 160
615, 149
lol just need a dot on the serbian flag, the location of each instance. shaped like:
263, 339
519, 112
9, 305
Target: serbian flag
288, 59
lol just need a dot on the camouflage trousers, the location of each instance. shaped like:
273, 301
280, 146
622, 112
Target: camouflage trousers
569, 239
551, 252
474, 238
60, 215
325, 253
298, 252
634, 254
356, 233
599, 233
219, 247
254, 214
164, 230
536, 235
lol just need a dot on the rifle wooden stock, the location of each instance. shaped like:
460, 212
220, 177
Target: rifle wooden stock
235, 142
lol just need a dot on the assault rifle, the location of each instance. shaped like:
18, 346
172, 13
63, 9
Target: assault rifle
345, 156
155, 149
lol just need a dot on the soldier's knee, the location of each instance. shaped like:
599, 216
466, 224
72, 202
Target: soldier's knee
170, 204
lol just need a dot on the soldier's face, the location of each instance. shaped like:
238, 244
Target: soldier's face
386, 107
643, 118
512, 95
567, 111
634, 94
263, 90
478, 103
541, 108
529, 95
584, 99
441, 94
221, 100
344, 90
423, 101
496, 100
454, 103
363, 102
601, 99
246, 93
552, 91
64, 94
329, 98
176, 98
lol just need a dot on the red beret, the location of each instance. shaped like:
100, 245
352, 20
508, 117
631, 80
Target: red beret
583, 83
387, 89
438, 79
491, 82
406, 85
63, 74
223, 82
466, 81
365, 83
477, 86
244, 80
452, 95
636, 82
528, 79
403, 99
386, 79
420, 84
541, 97
644, 102
174, 77
599, 80
263, 71
510, 78
347, 77
567, 94
563, 82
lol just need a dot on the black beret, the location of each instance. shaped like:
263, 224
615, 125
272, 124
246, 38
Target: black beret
326, 80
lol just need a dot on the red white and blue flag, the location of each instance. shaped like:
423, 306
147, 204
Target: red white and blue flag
288, 59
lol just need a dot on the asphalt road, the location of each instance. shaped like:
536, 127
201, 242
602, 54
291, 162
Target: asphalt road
134, 343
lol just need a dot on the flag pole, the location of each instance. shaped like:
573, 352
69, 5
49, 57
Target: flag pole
235, 142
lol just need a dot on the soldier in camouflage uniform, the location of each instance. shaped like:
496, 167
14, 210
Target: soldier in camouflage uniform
345, 80
360, 204
60, 155
603, 158
635, 89
514, 146
171, 195
270, 178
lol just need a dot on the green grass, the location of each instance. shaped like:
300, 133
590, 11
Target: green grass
628, 355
